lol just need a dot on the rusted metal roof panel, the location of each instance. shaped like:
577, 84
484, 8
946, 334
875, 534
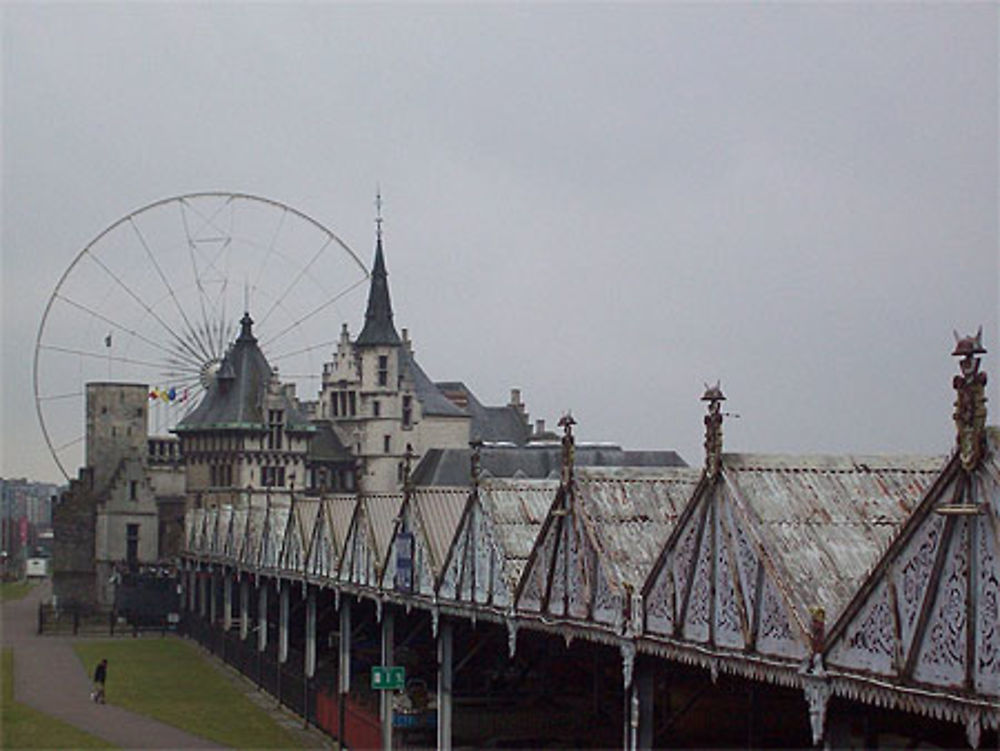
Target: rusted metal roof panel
630, 513
516, 509
440, 510
826, 520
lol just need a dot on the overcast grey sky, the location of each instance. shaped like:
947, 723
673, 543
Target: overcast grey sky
605, 205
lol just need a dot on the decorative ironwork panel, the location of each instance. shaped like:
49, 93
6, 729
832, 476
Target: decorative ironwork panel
747, 560
482, 556
607, 603
581, 559
291, 559
869, 641
728, 620
322, 557
237, 528
684, 556
776, 635
660, 602
535, 577
942, 656
987, 673
699, 605
557, 587
911, 572
449, 579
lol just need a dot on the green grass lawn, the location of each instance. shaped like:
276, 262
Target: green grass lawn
14, 590
169, 679
24, 727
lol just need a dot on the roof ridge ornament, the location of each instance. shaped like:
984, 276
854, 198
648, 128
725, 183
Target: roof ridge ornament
566, 422
970, 400
713, 428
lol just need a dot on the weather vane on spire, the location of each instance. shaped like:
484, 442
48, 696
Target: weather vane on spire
378, 212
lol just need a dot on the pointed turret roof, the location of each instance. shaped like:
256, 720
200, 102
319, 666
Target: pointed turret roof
378, 328
236, 396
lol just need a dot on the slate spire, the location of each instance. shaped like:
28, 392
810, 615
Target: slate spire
378, 328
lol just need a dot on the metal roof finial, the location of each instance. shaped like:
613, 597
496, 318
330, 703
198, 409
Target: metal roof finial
566, 422
713, 428
476, 461
970, 402
378, 212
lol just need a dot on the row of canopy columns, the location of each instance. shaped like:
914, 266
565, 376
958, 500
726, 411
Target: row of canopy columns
201, 599
209, 597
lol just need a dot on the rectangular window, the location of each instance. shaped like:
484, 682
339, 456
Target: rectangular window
407, 411
275, 420
133, 491
132, 546
376, 409
343, 404
383, 370
354, 403
386, 443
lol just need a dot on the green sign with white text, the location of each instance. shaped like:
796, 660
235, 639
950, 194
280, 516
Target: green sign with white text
388, 677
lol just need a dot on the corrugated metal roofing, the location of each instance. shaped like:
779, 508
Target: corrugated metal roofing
339, 512
826, 520
517, 509
630, 513
440, 510
306, 509
382, 511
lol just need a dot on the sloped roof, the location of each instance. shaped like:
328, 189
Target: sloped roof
378, 328
453, 466
489, 424
381, 510
824, 521
440, 510
630, 514
516, 509
430, 397
326, 446
236, 397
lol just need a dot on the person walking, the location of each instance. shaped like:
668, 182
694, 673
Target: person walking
100, 676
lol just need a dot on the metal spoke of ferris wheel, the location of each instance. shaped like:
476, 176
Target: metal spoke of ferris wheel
315, 311
144, 306
123, 328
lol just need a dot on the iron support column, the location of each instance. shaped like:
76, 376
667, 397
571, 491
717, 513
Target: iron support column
343, 667
213, 597
227, 602
444, 686
385, 697
643, 683
202, 594
261, 615
310, 666
244, 607
283, 597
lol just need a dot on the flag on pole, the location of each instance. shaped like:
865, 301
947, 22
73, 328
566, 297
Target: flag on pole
107, 340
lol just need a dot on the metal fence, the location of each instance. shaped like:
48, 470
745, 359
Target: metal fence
286, 682
89, 621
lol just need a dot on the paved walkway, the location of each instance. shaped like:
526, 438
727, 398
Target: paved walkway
49, 677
